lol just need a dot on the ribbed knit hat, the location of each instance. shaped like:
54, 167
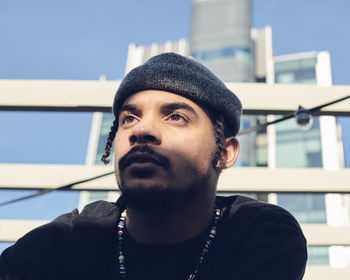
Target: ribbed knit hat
184, 76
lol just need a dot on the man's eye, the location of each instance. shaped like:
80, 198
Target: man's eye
177, 117
128, 119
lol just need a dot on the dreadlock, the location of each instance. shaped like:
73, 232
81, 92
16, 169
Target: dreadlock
219, 131
109, 143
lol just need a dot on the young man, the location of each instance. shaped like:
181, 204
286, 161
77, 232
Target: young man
174, 132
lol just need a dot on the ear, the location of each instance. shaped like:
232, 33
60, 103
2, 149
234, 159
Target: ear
230, 152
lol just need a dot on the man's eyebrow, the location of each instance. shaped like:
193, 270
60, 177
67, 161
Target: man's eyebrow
128, 107
178, 105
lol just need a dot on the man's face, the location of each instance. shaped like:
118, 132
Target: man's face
164, 146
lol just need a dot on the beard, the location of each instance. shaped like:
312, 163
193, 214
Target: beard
169, 196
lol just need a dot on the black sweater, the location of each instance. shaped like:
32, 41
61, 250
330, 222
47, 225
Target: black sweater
254, 240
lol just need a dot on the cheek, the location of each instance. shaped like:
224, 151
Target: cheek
197, 153
206, 150
120, 147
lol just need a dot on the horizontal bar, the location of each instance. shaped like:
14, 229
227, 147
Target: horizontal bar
11, 230
57, 108
286, 180
278, 98
57, 93
323, 235
41, 176
326, 273
65, 95
237, 179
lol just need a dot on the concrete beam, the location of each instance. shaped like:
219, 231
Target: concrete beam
326, 273
324, 235
237, 179
98, 96
11, 230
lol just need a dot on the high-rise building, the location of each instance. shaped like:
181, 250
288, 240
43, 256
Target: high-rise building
220, 38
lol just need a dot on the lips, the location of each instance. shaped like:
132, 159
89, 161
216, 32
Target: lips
141, 158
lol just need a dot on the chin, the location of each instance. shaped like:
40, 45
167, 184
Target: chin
159, 191
148, 197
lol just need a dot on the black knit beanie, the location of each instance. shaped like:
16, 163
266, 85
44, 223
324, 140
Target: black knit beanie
184, 76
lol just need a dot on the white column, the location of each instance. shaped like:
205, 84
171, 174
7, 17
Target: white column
93, 138
270, 66
83, 199
134, 57
271, 142
271, 153
329, 140
183, 47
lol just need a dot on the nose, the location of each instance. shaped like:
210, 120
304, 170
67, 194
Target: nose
145, 132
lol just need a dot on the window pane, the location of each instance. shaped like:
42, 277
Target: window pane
345, 133
306, 208
297, 71
296, 148
107, 121
253, 146
318, 255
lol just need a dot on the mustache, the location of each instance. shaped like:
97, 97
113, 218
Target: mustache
143, 153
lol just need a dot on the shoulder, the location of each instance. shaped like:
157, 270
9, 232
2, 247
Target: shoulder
53, 244
99, 212
96, 211
267, 235
263, 220
250, 211
64, 224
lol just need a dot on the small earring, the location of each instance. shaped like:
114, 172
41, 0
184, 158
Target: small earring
221, 164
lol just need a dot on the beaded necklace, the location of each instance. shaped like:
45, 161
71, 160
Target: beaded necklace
193, 275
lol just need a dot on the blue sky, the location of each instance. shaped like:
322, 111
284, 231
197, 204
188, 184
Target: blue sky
300, 26
83, 39
41, 137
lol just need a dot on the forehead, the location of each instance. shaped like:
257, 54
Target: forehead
159, 97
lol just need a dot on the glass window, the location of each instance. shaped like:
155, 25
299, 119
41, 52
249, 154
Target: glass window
306, 208
318, 255
222, 53
253, 146
107, 121
97, 195
344, 123
296, 148
299, 149
296, 71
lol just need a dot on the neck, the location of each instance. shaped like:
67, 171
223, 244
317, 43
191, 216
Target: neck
172, 225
